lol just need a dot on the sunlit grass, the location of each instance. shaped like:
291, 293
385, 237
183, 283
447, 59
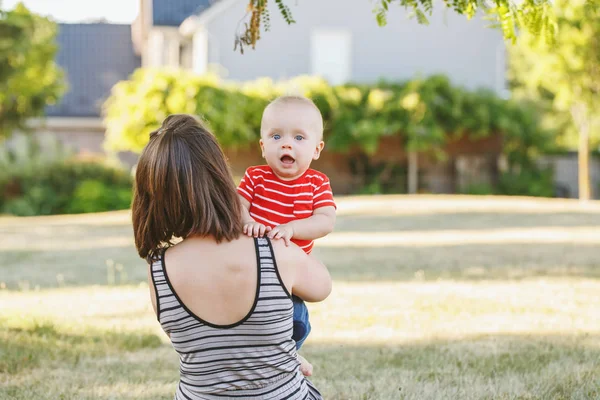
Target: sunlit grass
442, 298
378, 312
425, 337
28, 345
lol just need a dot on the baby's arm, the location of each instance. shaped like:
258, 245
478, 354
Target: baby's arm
246, 193
245, 210
251, 227
319, 224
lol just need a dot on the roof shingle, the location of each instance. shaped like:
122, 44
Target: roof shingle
94, 57
174, 12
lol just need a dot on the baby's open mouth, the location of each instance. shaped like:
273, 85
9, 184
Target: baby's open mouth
287, 159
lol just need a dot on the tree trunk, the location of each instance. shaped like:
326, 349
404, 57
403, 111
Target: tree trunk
579, 115
413, 172
584, 164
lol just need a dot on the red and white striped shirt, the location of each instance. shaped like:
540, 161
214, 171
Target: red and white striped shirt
275, 202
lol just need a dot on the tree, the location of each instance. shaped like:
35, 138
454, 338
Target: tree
29, 77
535, 16
565, 74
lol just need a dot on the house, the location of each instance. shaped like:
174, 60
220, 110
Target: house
94, 57
156, 35
337, 39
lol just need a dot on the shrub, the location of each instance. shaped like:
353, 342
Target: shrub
527, 182
41, 180
426, 114
481, 189
93, 195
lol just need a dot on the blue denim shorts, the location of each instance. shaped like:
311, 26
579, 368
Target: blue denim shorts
301, 323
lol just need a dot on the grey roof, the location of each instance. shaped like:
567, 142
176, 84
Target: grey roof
94, 57
174, 12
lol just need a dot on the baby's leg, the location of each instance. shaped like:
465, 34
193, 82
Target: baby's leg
305, 367
301, 331
301, 322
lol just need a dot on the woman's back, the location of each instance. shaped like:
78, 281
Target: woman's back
218, 294
229, 316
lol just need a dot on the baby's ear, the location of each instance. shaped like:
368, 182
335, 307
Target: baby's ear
262, 147
318, 150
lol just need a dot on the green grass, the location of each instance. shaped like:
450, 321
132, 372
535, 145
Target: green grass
32, 346
434, 298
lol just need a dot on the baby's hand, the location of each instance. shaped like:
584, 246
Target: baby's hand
256, 229
285, 232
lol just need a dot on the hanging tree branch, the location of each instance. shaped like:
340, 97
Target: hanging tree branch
259, 12
535, 16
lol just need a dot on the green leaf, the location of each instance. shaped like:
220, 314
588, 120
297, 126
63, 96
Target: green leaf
29, 77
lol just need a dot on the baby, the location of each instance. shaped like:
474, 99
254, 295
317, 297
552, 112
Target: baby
285, 199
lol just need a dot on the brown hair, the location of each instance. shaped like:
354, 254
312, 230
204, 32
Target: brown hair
183, 187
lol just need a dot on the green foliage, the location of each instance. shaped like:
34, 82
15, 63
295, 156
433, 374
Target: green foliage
425, 113
285, 12
381, 12
479, 189
29, 77
563, 76
95, 195
530, 181
527, 182
377, 177
44, 179
138, 106
533, 16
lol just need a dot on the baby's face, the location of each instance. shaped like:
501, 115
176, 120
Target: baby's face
291, 137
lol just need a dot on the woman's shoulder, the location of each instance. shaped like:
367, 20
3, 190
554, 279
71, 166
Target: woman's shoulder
287, 259
210, 244
287, 256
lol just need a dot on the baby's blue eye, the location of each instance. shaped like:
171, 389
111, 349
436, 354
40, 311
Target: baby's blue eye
276, 136
299, 137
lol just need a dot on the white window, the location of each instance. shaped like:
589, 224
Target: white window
331, 54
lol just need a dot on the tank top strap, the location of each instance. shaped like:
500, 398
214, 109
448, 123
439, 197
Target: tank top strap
269, 271
162, 290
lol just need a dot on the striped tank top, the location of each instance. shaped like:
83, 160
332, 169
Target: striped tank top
254, 358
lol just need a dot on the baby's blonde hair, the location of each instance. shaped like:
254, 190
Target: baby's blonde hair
286, 99
291, 99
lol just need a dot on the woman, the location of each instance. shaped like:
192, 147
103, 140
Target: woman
222, 297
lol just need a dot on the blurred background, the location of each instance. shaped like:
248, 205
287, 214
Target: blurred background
466, 253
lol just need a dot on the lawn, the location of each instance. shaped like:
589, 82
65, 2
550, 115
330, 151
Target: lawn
435, 297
